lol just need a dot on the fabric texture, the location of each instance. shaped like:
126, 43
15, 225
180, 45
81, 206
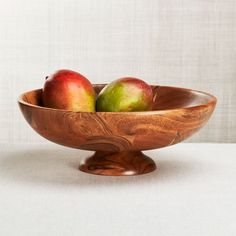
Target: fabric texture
183, 43
191, 193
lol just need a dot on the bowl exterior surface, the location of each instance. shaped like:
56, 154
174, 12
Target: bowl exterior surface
116, 132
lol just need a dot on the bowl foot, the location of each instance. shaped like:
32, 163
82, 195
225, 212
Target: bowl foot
118, 164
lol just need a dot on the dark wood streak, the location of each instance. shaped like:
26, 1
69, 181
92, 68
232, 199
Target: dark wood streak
118, 137
103, 124
117, 143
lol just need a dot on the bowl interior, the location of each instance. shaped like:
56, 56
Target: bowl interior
164, 97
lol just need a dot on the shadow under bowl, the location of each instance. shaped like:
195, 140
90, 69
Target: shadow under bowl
119, 137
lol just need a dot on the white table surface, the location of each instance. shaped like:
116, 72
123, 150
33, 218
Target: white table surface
193, 192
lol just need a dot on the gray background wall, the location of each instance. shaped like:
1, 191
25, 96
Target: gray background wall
189, 43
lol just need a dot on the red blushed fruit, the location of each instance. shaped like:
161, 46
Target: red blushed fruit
69, 90
125, 94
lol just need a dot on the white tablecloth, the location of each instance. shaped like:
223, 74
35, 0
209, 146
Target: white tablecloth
193, 192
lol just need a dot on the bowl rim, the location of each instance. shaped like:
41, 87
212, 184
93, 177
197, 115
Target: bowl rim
212, 102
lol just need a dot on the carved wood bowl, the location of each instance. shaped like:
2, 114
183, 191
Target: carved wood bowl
119, 137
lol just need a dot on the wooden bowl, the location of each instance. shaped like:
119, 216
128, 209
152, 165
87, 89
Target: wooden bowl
119, 137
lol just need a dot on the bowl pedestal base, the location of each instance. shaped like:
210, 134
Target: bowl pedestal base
118, 164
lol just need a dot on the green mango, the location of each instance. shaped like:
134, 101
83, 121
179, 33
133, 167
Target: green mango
125, 95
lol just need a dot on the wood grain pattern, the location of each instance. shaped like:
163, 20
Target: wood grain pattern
118, 164
177, 114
